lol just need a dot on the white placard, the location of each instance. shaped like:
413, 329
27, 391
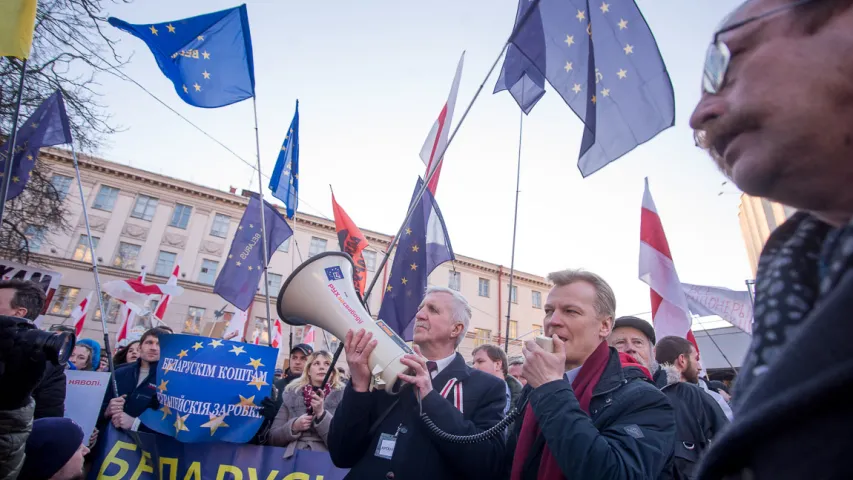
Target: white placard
84, 394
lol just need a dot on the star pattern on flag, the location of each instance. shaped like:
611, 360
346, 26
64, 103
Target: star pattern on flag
237, 349
215, 423
166, 411
257, 381
197, 346
180, 423
183, 353
255, 363
162, 386
215, 343
246, 402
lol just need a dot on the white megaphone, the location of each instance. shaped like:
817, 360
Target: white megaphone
320, 292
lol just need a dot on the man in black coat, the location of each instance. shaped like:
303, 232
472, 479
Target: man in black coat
589, 412
25, 299
137, 390
789, 140
378, 435
698, 418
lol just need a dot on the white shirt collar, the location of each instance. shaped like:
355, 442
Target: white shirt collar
442, 364
572, 374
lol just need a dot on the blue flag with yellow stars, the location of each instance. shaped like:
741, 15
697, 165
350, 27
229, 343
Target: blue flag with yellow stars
523, 81
208, 58
238, 281
603, 59
424, 245
47, 126
210, 390
284, 181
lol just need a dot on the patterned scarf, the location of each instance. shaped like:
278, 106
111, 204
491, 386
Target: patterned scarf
803, 261
308, 392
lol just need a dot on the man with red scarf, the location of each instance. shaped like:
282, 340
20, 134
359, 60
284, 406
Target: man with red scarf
590, 411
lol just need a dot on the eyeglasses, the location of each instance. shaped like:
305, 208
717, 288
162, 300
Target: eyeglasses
718, 56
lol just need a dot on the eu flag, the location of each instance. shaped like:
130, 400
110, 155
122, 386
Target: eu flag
524, 82
47, 126
208, 58
423, 245
284, 181
605, 63
210, 390
238, 281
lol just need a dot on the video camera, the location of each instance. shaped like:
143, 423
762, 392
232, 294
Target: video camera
57, 346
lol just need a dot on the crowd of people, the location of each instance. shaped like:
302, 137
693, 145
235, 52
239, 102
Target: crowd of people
609, 399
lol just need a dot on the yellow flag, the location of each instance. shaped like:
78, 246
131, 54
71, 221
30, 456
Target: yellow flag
17, 21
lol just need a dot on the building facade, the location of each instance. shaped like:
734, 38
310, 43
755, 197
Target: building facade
758, 218
146, 221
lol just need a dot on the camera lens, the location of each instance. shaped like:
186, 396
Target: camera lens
57, 346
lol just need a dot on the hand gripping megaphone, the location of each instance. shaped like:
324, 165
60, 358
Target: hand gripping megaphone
320, 292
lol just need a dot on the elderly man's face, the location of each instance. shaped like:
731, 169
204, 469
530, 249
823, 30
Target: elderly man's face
781, 125
633, 342
434, 322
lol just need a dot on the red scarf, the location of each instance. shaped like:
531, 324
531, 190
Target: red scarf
583, 386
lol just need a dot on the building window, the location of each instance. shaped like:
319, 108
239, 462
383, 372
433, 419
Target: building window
259, 335
64, 301
274, 284
144, 208
513, 329
369, 260
454, 281
285, 245
483, 288
106, 198
82, 252
537, 329
513, 294
482, 336
112, 307
318, 246
192, 324
181, 216
221, 224
536, 298
62, 184
165, 262
35, 237
207, 274
127, 255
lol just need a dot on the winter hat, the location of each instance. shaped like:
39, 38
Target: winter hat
96, 351
51, 444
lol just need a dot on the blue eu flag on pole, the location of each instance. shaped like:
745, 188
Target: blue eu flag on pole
238, 281
210, 390
208, 58
524, 82
284, 181
47, 126
423, 245
604, 61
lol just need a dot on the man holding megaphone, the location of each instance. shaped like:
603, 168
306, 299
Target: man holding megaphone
380, 435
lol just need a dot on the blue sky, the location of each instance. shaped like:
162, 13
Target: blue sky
371, 78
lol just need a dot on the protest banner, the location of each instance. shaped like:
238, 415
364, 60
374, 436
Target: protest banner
732, 306
47, 279
209, 390
83, 394
119, 457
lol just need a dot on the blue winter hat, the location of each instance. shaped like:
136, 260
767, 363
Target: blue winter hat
96, 351
51, 444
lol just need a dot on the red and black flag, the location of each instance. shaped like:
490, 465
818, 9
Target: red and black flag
352, 242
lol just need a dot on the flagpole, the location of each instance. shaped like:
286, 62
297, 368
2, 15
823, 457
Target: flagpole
7, 170
514, 229
95, 270
420, 194
263, 225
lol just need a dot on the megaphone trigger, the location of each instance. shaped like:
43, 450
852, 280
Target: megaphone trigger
320, 292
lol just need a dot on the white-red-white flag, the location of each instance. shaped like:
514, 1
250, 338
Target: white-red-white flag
78, 315
436, 141
137, 292
670, 315
308, 336
276, 337
127, 313
160, 313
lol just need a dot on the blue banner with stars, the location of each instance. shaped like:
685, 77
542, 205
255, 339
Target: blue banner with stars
209, 389
208, 58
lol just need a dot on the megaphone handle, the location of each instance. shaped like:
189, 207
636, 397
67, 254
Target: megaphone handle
332, 366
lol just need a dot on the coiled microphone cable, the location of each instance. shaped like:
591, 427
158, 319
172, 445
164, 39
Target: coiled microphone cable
492, 432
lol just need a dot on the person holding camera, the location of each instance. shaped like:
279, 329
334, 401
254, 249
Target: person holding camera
25, 299
307, 408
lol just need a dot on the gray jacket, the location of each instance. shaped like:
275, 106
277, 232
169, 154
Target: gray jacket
15, 427
292, 407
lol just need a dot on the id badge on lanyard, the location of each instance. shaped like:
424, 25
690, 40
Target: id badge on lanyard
387, 443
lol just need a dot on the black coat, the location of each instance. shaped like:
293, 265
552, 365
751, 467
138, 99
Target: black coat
794, 420
698, 420
139, 397
629, 434
49, 394
418, 453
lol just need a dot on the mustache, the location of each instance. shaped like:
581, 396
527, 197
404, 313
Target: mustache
422, 324
715, 135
